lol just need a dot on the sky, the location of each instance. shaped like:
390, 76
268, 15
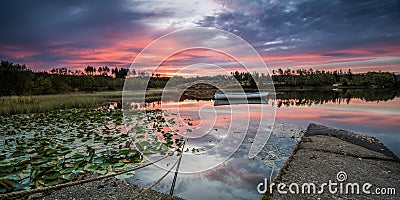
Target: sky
331, 34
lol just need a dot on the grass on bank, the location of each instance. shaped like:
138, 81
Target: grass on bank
44, 103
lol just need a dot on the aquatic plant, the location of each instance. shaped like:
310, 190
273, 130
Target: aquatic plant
44, 149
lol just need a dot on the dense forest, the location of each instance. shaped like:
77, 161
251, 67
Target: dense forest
297, 79
310, 77
17, 79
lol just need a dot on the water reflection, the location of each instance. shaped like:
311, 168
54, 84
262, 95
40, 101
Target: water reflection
283, 98
345, 96
371, 112
236, 178
233, 102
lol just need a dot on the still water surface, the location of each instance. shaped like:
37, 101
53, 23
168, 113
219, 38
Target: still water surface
238, 177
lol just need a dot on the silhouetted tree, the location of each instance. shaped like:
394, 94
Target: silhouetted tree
15, 79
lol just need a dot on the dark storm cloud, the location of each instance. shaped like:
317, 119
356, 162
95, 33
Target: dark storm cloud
311, 26
66, 26
38, 21
48, 33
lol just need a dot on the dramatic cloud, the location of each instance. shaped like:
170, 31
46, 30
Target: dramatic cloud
314, 33
311, 25
332, 29
61, 33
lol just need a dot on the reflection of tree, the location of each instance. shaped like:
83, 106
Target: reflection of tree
302, 98
290, 98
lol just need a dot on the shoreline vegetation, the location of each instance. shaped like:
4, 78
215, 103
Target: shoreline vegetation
45, 103
19, 80
25, 91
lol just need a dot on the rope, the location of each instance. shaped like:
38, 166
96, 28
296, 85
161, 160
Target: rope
159, 180
63, 185
171, 191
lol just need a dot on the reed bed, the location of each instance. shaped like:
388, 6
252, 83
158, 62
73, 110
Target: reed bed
44, 103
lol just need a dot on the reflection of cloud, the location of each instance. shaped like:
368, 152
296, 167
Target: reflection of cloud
380, 120
369, 114
349, 117
234, 176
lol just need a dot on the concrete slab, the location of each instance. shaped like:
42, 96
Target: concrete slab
326, 155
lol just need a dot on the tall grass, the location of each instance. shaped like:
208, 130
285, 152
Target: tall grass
43, 103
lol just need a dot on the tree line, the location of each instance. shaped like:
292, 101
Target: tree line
310, 77
17, 79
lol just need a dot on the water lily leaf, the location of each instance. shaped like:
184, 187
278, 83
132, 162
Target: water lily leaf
8, 184
118, 164
53, 181
125, 175
51, 147
91, 167
47, 165
104, 166
124, 151
164, 147
102, 171
38, 183
6, 169
98, 160
2, 156
18, 153
52, 175
65, 152
171, 121
48, 152
67, 176
35, 171
24, 184
79, 164
77, 155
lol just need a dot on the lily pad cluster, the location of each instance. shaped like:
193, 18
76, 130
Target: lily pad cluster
155, 133
44, 149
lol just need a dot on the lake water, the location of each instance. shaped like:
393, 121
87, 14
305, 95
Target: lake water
371, 113
380, 119
220, 175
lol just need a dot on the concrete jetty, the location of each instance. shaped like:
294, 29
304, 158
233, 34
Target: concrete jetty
330, 163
